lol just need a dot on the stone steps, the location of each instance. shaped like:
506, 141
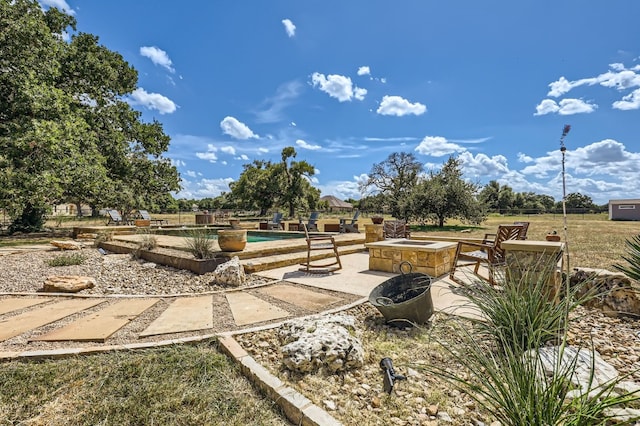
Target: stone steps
272, 261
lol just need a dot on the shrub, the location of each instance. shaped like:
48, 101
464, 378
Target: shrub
102, 237
147, 242
199, 244
67, 260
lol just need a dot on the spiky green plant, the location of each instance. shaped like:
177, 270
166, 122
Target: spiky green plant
199, 244
501, 355
527, 308
632, 257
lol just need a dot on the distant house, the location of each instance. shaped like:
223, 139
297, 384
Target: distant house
336, 204
624, 209
70, 210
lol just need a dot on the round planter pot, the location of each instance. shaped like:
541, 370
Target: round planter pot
553, 237
232, 239
235, 223
377, 220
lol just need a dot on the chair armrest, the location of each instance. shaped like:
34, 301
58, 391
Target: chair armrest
473, 244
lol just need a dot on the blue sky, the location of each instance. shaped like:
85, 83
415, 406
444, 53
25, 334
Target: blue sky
349, 82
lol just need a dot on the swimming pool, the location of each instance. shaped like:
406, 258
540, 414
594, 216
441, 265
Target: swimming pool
252, 236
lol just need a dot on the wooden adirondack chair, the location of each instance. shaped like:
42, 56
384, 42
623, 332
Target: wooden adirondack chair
488, 253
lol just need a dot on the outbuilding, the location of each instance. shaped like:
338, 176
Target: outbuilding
624, 209
336, 204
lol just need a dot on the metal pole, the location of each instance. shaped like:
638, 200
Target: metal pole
563, 149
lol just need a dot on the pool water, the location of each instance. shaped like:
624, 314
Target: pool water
259, 237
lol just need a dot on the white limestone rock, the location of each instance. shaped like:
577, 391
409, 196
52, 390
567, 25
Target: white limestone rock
329, 342
230, 273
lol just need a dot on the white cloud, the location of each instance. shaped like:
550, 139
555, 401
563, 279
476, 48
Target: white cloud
289, 27
565, 107
178, 163
437, 146
359, 93
263, 150
618, 77
304, 145
59, 4
629, 102
483, 165
191, 173
398, 106
157, 56
152, 101
234, 128
209, 156
273, 107
364, 70
523, 158
205, 188
228, 150
337, 86
547, 106
244, 157
342, 189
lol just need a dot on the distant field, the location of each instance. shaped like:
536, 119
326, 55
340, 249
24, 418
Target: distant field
594, 241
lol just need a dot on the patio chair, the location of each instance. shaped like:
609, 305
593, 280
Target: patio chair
489, 238
320, 242
116, 219
312, 223
396, 229
146, 216
491, 254
276, 222
350, 227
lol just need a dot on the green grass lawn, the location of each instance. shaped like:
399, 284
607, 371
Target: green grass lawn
182, 385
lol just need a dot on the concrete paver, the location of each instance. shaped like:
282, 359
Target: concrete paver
311, 300
249, 309
354, 277
97, 327
14, 326
184, 314
15, 304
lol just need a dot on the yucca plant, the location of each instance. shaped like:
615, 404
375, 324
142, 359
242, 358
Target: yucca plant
501, 358
632, 257
199, 244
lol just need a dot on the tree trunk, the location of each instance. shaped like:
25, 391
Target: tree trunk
79, 207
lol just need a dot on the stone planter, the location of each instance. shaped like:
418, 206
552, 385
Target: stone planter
235, 223
232, 239
142, 223
377, 220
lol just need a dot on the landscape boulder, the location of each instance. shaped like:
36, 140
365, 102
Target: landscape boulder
312, 344
230, 273
616, 294
67, 245
68, 284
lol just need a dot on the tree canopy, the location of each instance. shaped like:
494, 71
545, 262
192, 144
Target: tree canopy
444, 195
394, 179
263, 185
66, 131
